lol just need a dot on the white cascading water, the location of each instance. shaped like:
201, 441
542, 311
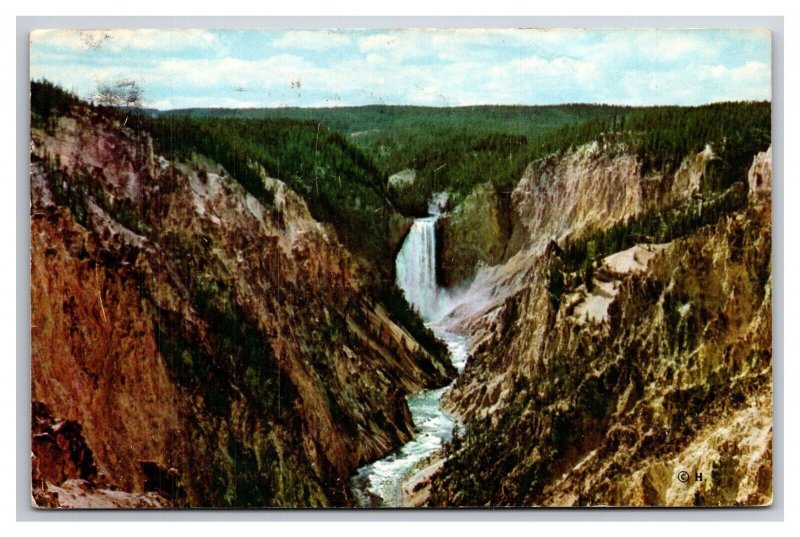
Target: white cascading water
380, 484
416, 267
416, 262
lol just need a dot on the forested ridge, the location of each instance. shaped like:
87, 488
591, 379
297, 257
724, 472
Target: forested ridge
456, 148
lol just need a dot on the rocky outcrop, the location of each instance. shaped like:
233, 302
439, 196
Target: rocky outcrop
572, 402
594, 186
64, 472
475, 232
760, 176
590, 302
206, 342
399, 227
80, 494
402, 178
590, 188
59, 449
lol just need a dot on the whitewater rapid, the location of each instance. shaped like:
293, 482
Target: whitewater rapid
379, 484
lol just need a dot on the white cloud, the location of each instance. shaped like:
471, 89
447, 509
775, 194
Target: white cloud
673, 47
118, 40
752, 71
440, 67
317, 40
556, 67
180, 101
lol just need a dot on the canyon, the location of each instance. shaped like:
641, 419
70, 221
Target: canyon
589, 333
602, 392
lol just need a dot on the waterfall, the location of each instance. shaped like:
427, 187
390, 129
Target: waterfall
416, 267
416, 262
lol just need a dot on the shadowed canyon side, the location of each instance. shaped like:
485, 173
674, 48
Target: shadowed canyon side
597, 383
193, 345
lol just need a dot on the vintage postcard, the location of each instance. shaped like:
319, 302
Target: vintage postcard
401, 268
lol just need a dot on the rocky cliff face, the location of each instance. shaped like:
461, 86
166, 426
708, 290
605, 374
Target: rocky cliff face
760, 176
591, 187
594, 186
603, 394
199, 337
474, 233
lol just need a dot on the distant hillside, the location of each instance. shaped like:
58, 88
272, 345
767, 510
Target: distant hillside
361, 120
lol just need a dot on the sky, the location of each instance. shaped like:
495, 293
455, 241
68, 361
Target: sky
277, 68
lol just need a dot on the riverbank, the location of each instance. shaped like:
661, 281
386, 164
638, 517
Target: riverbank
417, 489
382, 483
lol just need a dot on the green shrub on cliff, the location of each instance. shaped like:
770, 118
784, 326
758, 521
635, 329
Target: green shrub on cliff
555, 286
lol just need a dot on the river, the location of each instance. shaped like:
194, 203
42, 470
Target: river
379, 484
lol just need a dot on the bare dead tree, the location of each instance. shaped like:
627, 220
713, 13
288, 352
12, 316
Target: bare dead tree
124, 93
